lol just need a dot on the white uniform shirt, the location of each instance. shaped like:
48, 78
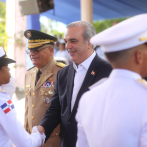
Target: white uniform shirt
11, 130
114, 113
80, 74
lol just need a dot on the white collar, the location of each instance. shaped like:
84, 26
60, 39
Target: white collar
124, 73
86, 63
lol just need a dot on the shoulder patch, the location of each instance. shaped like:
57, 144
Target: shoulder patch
143, 82
30, 68
60, 64
98, 83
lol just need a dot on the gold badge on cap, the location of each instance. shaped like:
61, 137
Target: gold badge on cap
29, 34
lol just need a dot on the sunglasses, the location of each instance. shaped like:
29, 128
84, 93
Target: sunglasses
35, 51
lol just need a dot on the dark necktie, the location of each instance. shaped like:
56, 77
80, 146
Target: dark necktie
37, 76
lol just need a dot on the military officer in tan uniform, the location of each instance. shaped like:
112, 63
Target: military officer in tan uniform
40, 81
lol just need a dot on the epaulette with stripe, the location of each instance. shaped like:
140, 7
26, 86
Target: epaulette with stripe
143, 82
30, 68
60, 64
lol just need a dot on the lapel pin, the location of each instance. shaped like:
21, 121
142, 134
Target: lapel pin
93, 73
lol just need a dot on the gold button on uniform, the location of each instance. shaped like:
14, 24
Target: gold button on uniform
33, 106
57, 134
33, 117
33, 94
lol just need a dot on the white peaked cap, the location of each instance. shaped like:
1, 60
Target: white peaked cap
4, 60
124, 35
2, 52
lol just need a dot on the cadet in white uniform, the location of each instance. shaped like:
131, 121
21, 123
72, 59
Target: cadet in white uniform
114, 112
11, 130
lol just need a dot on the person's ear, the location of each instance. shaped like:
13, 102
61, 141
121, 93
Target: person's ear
139, 56
89, 44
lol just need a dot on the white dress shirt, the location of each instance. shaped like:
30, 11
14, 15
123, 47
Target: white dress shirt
80, 73
114, 113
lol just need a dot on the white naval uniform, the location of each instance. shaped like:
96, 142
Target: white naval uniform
114, 113
11, 130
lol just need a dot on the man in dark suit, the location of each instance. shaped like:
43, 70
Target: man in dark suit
72, 81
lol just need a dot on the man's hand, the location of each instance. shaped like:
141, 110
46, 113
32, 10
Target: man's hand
41, 129
38, 134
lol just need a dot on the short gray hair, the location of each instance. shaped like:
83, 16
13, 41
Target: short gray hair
48, 45
89, 29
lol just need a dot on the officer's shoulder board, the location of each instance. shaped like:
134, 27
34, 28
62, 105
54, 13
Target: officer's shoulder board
30, 68
60, 64
98, 83
142, 82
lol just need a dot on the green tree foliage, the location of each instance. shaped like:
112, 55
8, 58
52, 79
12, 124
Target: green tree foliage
102, 25
49, 29
2, 23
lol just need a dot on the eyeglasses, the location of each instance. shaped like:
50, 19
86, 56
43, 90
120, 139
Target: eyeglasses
35, 51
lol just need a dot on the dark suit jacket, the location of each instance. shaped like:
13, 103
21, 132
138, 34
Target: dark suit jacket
60, 108
145, 78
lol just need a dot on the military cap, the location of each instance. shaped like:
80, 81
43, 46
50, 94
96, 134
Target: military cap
4, 60
37, 39
124, 35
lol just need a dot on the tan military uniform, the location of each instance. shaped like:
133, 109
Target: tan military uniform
37, 98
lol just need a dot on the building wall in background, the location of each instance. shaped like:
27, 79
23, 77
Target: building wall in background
16, 44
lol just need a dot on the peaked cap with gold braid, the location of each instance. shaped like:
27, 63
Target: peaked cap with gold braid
37, 39
4, 60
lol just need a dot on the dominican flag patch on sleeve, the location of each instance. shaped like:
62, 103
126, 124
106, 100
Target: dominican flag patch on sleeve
7, 107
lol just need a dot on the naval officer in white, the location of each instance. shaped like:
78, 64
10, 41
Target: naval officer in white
11, 130
114, 112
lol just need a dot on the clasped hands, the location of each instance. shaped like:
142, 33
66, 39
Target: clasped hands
39, 130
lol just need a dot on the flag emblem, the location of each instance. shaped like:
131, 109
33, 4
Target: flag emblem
48, 84
93, 73
7, 107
